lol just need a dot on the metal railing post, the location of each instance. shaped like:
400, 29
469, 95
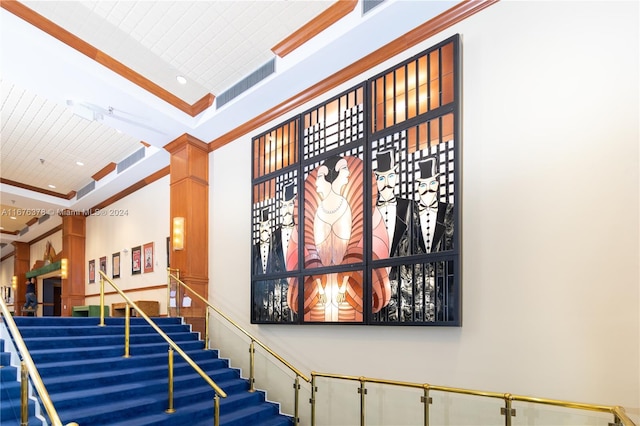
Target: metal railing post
24, 395
252, 352
206, 328
127, 321
101, 301
169, 292
216, 410
426, 400
313, 399
507, 410
170, 408
362, 391
296, 401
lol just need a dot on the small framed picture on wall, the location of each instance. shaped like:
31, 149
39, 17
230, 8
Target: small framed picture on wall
147, 251
92, 271
115, 265
136, 260
103, 264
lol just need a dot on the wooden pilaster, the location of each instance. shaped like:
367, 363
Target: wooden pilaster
20, 268
73, 245
189, 198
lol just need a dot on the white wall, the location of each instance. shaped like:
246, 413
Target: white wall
550, 218
135, 220
37, 249
6, 273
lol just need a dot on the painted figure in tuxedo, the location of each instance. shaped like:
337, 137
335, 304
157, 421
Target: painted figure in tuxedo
268, 293
283, 233
436, 234
402, 225
334, 235
436, 217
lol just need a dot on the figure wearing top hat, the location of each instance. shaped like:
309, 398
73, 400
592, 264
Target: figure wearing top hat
262, 261
266, 302
436, 217
399, 214
284, 232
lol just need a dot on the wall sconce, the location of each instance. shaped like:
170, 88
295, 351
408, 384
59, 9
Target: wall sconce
14, 282
178, 233
64, 268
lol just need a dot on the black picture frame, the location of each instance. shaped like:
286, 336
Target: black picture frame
136, 260
387, 178
92, 271
115, 265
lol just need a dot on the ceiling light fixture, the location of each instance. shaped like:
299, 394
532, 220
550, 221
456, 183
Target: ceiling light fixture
52, 186
181, 79
79, 163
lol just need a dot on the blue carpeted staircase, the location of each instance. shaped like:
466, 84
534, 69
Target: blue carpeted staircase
91, 383
10, 392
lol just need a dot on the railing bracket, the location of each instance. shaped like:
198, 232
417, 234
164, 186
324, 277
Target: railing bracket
503, 411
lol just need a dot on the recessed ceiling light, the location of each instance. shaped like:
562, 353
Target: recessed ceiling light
181, 79
79, 163
13, 218
52, 186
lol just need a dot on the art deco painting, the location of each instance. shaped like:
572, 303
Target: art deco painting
356, 203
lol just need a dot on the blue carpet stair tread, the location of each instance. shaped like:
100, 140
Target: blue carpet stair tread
61, 331
184, 399
71, 395
82, 341
122, 371
78, 366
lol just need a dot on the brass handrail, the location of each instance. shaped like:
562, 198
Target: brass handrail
617, 411
239, 327
31, 369
171, 343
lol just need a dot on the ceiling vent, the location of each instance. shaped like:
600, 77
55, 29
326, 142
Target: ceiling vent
367, 5
23, 231
86, 189
246, 83
130, 160
43, 218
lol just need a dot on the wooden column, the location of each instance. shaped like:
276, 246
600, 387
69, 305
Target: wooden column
189, 198
73, 245
20, 268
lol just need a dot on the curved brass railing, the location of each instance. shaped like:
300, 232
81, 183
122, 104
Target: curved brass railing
254, 340
28, 368
130, 304
620, 417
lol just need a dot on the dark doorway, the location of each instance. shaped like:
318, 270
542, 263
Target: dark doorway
51, 302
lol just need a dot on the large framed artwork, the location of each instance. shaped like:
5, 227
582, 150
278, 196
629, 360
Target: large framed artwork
356, 203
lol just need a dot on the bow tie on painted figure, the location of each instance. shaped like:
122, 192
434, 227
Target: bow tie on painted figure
422, 207
391, 202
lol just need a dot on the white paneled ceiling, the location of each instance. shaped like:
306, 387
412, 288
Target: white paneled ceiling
60, 104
